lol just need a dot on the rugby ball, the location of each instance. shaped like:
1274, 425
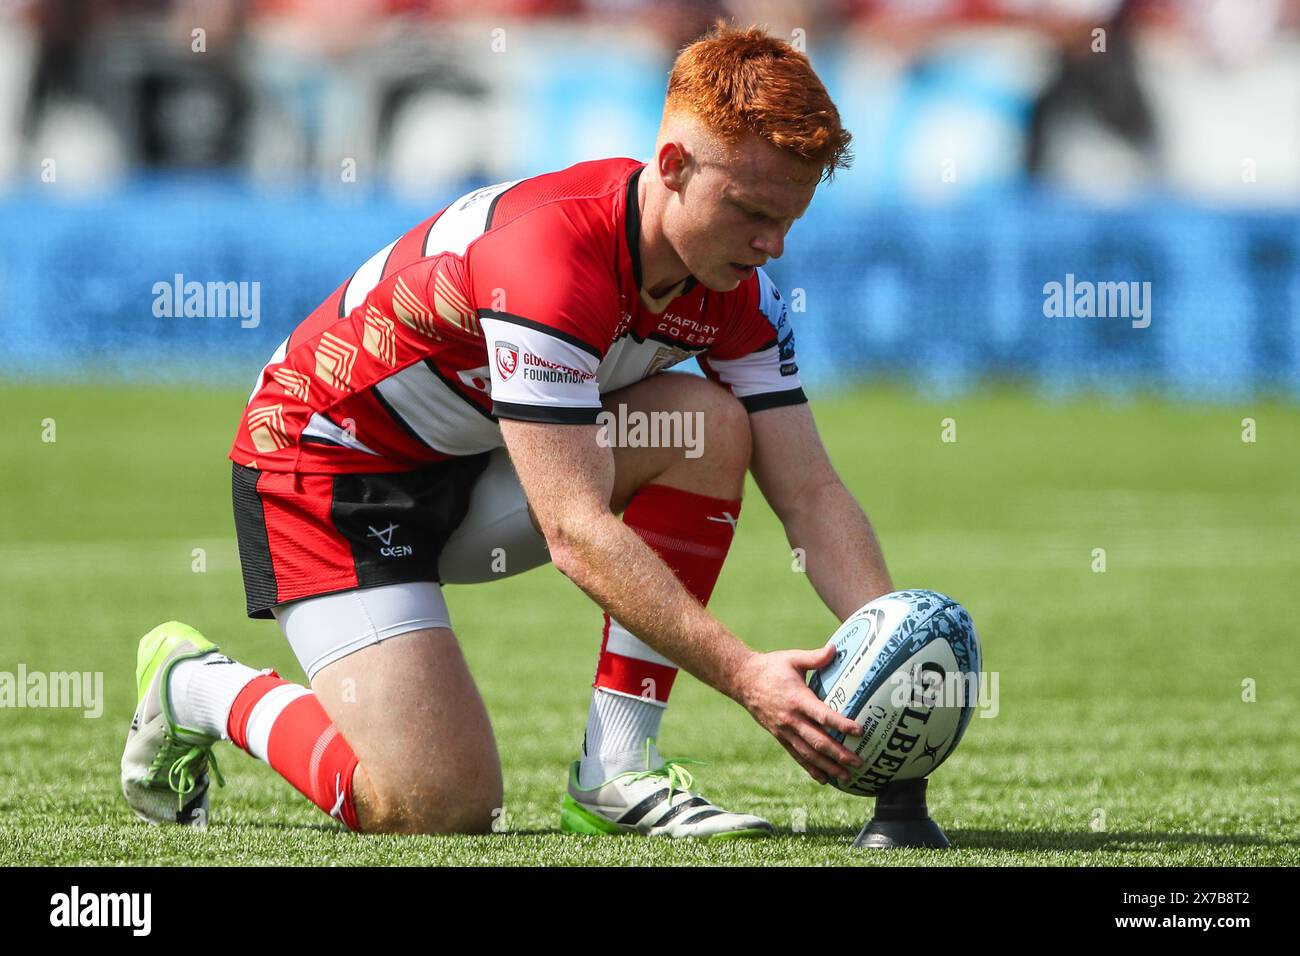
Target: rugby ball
907, 668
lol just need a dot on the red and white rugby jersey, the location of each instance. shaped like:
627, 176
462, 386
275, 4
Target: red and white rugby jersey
520, 300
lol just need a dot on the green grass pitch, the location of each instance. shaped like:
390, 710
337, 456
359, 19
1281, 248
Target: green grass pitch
1146, 714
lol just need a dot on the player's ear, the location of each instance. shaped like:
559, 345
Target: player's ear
673, 163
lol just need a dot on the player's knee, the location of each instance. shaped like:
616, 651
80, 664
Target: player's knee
436, 809
465, 818
463, 797
726, 439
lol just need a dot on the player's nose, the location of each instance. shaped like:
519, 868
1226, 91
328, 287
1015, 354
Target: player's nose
770, 245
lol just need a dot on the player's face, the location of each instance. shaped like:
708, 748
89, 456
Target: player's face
736, 213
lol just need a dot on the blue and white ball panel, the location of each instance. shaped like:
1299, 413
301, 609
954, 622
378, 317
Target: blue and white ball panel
907, 668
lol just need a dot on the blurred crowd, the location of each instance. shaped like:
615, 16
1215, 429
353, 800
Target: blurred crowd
1105, 96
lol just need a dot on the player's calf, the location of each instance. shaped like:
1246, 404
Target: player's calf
424, 760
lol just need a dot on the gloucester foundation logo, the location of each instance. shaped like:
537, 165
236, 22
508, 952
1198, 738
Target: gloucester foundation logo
538, 369
507, 359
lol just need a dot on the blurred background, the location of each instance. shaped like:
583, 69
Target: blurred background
1001, 145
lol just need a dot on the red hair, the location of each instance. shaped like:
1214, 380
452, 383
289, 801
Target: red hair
744, 81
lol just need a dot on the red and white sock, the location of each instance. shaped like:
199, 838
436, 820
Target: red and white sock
202, 690
280, 723
692, 534
284, 725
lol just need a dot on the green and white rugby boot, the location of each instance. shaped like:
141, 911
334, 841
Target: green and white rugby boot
656, 802
165, 766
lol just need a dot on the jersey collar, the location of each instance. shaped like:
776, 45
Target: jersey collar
633, 224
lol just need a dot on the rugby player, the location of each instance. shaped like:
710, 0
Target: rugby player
436, 418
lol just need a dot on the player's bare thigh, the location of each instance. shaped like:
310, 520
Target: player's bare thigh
427, 757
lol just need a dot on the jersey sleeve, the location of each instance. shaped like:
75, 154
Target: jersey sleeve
756, 360
547, 304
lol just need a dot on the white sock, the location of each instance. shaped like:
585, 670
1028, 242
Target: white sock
617, 728
203, 690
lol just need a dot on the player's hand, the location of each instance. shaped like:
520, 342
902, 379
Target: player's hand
772, 688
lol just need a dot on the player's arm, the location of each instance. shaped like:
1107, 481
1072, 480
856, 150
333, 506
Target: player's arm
821, 517
757, 363
568, 478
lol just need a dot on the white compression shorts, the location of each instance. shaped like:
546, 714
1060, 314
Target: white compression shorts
495, 540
